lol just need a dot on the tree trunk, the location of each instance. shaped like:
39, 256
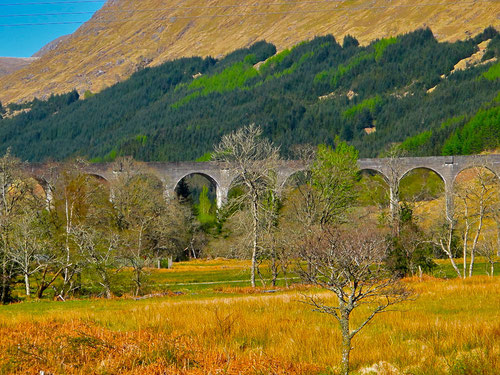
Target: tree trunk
346, 342
394, 207
137, 281
254, 242
40, 290
3, 280
107, 291
274, 267
447, 248
498, 236
106, 284
466, 238
476, 239
27, 283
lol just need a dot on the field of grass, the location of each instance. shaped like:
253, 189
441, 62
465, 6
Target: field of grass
452, 327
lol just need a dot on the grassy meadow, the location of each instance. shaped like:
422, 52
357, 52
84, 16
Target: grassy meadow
451, 327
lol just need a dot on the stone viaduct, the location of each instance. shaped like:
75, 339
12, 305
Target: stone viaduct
392, 170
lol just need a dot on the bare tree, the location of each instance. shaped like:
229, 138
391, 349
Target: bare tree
254, 161
324, 193
393, 176
477, 201
27, 245
477, 198
148, 224
15, 188
74, 196
97, 248
350, 265
488, 250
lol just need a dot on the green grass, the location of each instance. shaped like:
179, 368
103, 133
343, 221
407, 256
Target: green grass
493, 73
444, 268
381, 46
371, 104
417, 141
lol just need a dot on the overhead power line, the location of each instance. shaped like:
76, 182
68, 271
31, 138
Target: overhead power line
53, 3
246, 14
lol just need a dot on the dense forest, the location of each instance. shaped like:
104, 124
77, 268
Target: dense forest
396, 90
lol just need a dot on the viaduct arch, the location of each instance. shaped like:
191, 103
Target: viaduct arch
392, 170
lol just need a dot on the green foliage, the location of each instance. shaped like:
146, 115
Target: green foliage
372, 189
282, 97
371, 104
334, 174
452, 121
417, 141
274, 61
88, 94
381, 45
207, 156
482, 132
408, 251
205, 212
229, 79
493, 48
142, 139
493, 73
421, 185
294, 66
250, 59
349, 41
337, 73
489, 33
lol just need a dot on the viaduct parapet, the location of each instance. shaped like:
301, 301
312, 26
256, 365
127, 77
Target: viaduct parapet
220, 175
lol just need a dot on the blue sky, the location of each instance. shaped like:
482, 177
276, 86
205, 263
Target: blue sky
24, 41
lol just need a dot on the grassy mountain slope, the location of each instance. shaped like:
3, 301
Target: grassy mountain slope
9, 65
370, 95
126, 35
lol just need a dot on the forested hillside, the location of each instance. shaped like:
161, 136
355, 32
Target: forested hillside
127, 35
401, 89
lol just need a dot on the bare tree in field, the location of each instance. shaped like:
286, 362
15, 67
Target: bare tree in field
15, 188
324, 193
254, 161
488, 250
477, 201
350, 265
476, 198
97, 248
148, 224
27, 245
74, 195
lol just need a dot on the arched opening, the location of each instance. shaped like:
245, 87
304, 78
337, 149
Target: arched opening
422, 196
373, 197
99, 185
199, 190
421, 184
372, 189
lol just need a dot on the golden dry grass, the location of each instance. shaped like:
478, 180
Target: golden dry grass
453, 327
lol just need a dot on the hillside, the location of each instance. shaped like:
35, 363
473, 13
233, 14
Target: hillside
371, 96
50, 46
126, 35
9, 65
